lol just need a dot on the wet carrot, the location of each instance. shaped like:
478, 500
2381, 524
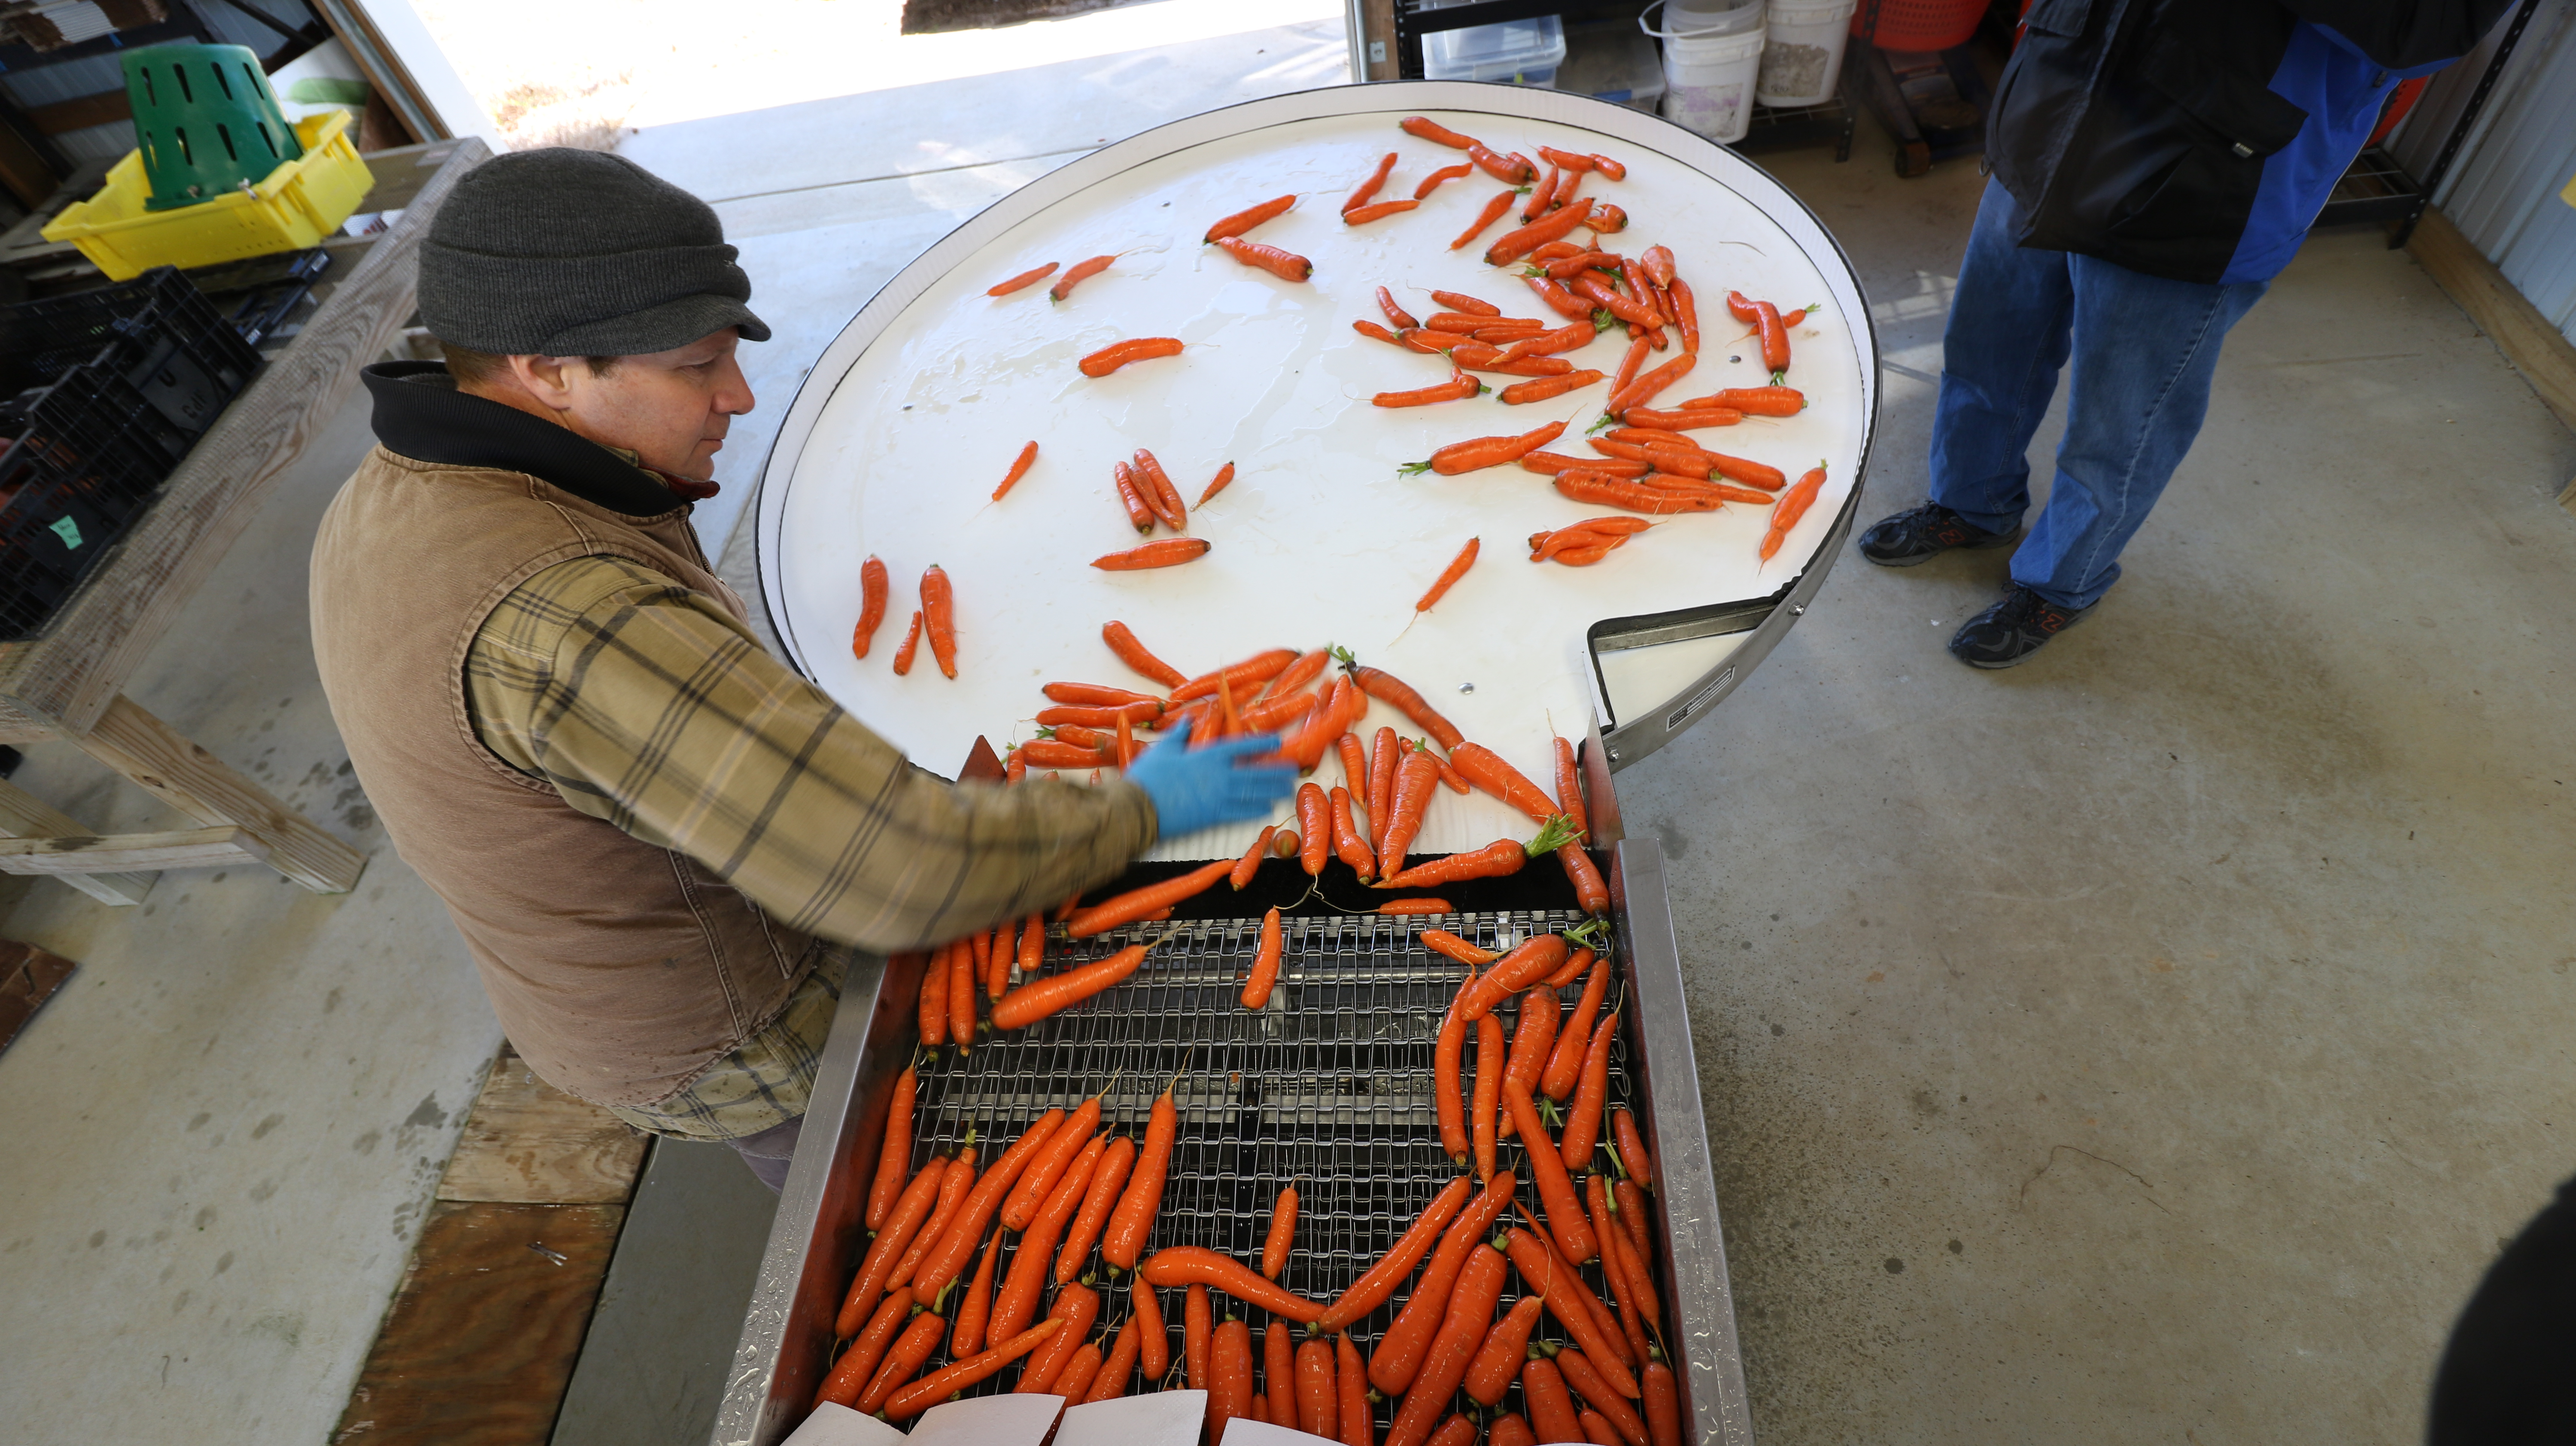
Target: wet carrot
1122, 641
1493, 212
1306, 747
1409, 799
902, 1359
1385, 753
911, 1210
1487, 770
1279, 1374
1592, 1383
1462, 323
1396, 315
849, 1375
933, 1000
1574, 1037
1283, 1230
1548, 388
1631, 1147
1436, 179
1756, 401
1246, 866
1681, 421
1077, 274
1632, 1263
1379, 1281
939, 616
962, 979
1130, 490
1556, 1191
1458, 388
1509, 1429
1551, 1406
1400, 1352
1039, 998
1118, 354
1685, 314
1016, 1304
1498, 1359
1663, 1404
1528, 366
1160, 495
1502, 857
1548, 464
1314, 828
1481, 452
1353, 1415
1352, 849
1449, 1104
1198, 1265
1135, 904
1167, 552
1554, 226
1553, 1279
1026, 278
1360, 196
1642, 287
1424, 128
1444, 1365
1533, 1037
1606, 219
1510, 170
1229, 1383
1793, 505
911, 644
1644, 388
1597, 1429
1540, 195
1249, 217
1198, 1324
1317, 1405
1133, 1220
1416, 907
1527, 964
1073, 1382
1372, 330
1625, 307
1489, 1094
1448, 945
872, 603
1286, 265
1559, 300
896, 1151
1217, 484
1583, 1120
1038, 1179
1011, 479
1110, 1382
1379, 212
1608, 491
1265, 963
1098, 715
1608, 167
1449, 576
947, 1381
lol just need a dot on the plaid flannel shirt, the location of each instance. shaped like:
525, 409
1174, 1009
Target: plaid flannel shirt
647, 706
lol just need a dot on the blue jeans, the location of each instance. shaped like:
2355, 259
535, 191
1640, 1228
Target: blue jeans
2144, 350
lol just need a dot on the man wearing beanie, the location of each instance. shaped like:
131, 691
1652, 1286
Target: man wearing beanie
658, 841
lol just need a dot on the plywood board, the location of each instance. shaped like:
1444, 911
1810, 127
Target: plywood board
531, 1143
484, 1332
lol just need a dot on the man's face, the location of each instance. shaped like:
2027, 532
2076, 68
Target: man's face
671, 408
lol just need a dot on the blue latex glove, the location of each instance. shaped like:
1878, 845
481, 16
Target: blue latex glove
1200, 788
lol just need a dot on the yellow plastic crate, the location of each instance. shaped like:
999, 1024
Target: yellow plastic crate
295, 207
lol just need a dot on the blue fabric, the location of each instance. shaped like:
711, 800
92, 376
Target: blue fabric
2144, 349
2343, 92
1196, 788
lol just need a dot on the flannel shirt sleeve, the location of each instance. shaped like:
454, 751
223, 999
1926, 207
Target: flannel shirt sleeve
647, 706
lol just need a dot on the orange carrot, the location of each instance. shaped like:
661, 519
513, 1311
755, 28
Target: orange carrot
1525, 965
1460, 387
1367, 188
1441, 941
1504, 856
1362, 215
1448, 1105
1643, 389
849, 1375
1352, 849
1489, 1093
1549, 464
1756, 401
1682, 421
902, 1359
1542, 194
910, 1210
1107, 1180
1283, 1232
977, 1308
1547, 388
1131, 652
1532, 1039
1077, 274
1016, 1304
1685, 314
1608, 167
934, 998
948, 1257
1318, 1406
1444, 1364
1590, 1382
947, 1381
1583, 1121
1128, 907
1395, 314
1074, 1381
1169, 552
1564, 1211
1350, 1379
1197, 1265
1493, 212
954, 1183
1481, 452
1286, 265
1153, 1343
1498, 1359
1198, 1324
1606, 219
1415, 778
872, 603
1602, 489
1133, 1220
1385, 754
1161, 495
939, 614
1250, 863
1551, 1406
1423, 192
1767, 324
1509, 1429
1131, 495
1572, 1302
1663, 1404
1019, 469
1517, 244
1265, 964
1039, 1177
1627, 308
1224, 475
911, 643
1111, 1381
1118, 354
1249, 217
1793, 505
1488, 771
1574, 1037
1379, 1281
1025, 279
1401, 1350
1457, 569
1314, 827
1229, 1384
1095, 715
895, 1153
1040, 998
1632, 1148
1416, 907
1425, 128
1279, 1373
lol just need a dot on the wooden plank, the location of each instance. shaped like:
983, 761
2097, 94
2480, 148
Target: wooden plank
529, 1143
23, 815
2542, 353
72, 673
481, 1338
195, 782
81, 112
195, 848
1377, 28
28, 977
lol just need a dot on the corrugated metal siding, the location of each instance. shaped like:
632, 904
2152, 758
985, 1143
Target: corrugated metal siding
2503, 191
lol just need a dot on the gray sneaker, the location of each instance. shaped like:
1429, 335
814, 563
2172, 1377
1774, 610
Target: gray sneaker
2006, 634
1924, 534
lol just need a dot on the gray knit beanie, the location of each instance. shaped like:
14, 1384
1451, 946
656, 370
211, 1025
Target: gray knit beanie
560, 252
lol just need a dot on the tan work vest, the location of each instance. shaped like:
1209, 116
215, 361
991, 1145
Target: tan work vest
620, 970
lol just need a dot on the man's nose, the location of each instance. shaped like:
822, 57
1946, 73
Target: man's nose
733, 391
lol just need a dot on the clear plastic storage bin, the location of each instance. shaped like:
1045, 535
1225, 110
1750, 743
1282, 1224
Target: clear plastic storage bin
1613, 61
1523, 52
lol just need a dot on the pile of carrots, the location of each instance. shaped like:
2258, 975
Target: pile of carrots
1076, 1211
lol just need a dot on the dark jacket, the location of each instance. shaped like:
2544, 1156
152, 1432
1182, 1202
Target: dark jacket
2196, 139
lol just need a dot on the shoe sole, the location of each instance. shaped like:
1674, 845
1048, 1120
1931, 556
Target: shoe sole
2005, 540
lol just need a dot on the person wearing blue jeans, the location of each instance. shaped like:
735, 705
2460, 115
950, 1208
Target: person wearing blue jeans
2156, 163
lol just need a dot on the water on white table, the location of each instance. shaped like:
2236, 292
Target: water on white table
1318, 539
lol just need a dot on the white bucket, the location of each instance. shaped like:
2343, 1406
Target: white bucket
1803, 56
1708, 78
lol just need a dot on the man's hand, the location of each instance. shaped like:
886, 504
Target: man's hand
1196, 788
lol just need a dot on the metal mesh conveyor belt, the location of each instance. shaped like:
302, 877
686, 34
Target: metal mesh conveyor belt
1330, 1085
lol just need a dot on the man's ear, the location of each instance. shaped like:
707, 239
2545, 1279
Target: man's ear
542, 377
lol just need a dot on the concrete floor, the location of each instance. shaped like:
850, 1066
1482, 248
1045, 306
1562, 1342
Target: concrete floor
2149, 1044
2154, 1043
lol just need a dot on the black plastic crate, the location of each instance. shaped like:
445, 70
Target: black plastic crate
102, 393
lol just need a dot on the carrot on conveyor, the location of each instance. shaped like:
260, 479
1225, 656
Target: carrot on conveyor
1685, 314
1498, 1360
1549, 464
1368, 188
933, 1021
1399, 1352
1551, 1406
1682, 421
1583, 1123
1448, 1102
1265, 964
1229, 1384
1533, 1036
1570, 1301
1412, 790
1314, 828
1415, 907
1631, 1148
872, 603
1590, 1382
1555, 1190
1286, 265
1602, 489
1033, 1260
1756, 401
1076, 274
1198, 1265
1546, 388
1168, 552
1224, 475
976, 1309
1361, 216
1111, 1382
1153, 1344
1493, 212
1663, 1404
1198, 1324
1489, 1093
966, 1228
1793, 505
896, 1152
1030, 277
1074, 1381
911, 641
961, 996
1444, 1365
1133, 1220
1318, 1405
1107, 1181
1527, 964
849, 1375
1458, 389
1644, 388
1055, 993
1131, 495
1502, 857
1259, 668
1019, 469
947, 1381
1433, 182
1348, 845
1424, 128
1283, 1232
1038, 1178
1509, 1429
1441, 941
1516, 244
1075, 1308
1161, 496
1135, 349
1481, 452
1488, 771
1249, 217
1122, 641
1574, 1037
908, 1353
1769, 326
1350, 1382
954, 1182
